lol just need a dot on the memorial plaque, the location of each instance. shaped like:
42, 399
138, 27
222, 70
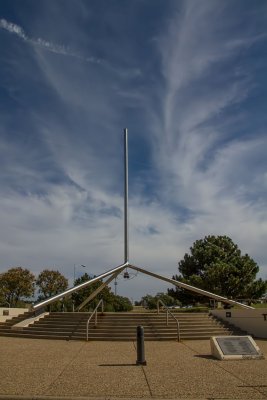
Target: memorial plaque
235, 348
236, 345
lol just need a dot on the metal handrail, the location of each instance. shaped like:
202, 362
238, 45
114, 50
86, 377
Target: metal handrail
91, 316
167, 317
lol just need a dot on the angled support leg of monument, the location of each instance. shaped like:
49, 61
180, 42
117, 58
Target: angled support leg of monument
190, 288
98, 290
78, 287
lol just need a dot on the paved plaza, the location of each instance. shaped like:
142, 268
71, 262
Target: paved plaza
39, 369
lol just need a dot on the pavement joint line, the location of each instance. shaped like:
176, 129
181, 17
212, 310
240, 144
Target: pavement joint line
147, 382
149, 388
61, 372
224, 369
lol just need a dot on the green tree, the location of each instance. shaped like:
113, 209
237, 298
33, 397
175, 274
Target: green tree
120, 303
111, 301
217, 265
2, 297
50, 283
15, 284
167, 299
80, 296
150, 301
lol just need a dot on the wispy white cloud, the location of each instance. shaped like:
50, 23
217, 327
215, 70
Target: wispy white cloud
198, 91
44, 44
206, 167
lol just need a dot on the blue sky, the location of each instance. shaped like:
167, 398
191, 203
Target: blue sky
187, 78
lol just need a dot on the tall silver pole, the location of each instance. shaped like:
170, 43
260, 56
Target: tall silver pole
126, 238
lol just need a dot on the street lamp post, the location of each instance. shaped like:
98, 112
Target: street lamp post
74, 271
74, 278
116, 283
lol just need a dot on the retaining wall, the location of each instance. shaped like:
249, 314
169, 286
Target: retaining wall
252, 321
8, 313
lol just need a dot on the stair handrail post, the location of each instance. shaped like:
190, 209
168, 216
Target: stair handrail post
167, 317
91, 316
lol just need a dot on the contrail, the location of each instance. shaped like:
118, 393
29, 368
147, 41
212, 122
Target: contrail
13, 28
66, 51
49, 46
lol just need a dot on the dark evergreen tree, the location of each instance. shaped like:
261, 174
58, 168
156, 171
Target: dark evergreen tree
216, 264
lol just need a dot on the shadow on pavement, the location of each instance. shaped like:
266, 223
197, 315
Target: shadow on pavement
117, 365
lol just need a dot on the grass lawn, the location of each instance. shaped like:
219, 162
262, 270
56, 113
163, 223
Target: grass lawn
259, 305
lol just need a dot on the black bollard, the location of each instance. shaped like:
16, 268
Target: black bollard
140, 346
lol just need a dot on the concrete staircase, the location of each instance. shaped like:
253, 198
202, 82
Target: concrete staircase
6, 326
121, 326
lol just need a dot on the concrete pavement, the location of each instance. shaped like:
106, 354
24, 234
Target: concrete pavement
39, 369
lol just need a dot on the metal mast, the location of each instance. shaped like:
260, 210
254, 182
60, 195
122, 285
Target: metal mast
126, 231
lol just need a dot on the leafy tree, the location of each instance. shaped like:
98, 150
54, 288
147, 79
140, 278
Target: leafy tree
217, 265
50, 283
111, 301
2, 297
81, 295
120, 303
151, 301
16, 284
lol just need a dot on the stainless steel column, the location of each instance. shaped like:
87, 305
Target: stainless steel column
126, 231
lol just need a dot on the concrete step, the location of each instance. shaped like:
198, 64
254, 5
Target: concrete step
107, 332
34, 336
125, 330
128, 315
100, 330
46, 321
